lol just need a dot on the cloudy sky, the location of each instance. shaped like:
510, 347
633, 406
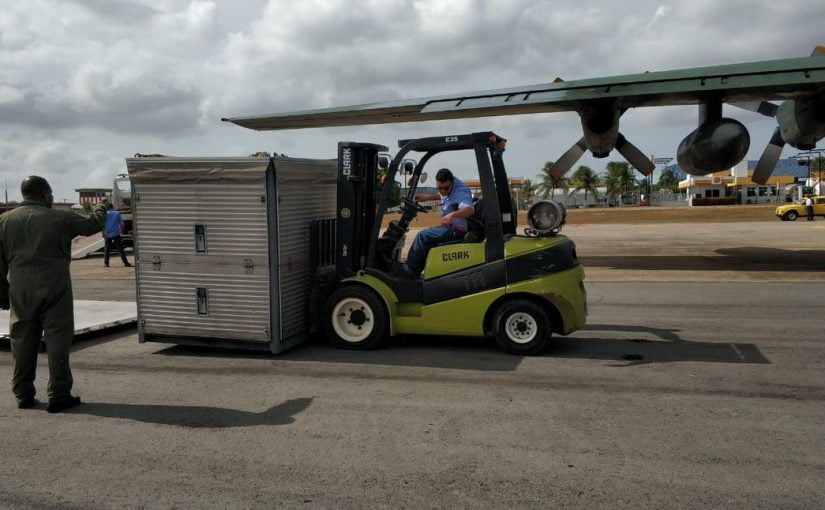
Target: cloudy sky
86, 83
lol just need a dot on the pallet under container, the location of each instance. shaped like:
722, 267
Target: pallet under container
222, 247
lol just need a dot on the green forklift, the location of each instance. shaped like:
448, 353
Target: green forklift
518, 288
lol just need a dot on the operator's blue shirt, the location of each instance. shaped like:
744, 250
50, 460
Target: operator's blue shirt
113, 222
459, 198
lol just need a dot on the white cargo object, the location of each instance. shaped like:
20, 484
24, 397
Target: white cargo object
90, 316
223, 247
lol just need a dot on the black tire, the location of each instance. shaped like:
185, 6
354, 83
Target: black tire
355, 318
791, 215
522, 327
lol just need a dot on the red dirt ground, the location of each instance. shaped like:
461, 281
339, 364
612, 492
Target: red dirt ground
705, 214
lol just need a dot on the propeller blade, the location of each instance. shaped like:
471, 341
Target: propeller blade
765, 108
568, 159
634, 156
770, 156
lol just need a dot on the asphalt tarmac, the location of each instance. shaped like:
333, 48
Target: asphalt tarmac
692, 386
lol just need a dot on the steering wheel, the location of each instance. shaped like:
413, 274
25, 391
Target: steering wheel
415, 205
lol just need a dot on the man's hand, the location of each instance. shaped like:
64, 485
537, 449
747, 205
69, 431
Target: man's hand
446, 219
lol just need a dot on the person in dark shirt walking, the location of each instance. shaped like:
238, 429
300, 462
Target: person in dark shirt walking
112, 231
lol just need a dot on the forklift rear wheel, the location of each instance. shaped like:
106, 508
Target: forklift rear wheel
522, 327
355, 318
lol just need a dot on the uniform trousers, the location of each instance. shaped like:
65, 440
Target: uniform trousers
54, 322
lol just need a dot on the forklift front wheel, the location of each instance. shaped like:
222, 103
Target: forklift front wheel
355, 318
522, 327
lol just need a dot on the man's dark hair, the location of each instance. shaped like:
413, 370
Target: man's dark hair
34, 187
444, 175
110, 206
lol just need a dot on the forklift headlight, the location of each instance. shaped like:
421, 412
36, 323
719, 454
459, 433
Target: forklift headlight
546, 218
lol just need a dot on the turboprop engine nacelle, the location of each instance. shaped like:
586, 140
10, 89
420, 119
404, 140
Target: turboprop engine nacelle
713, 146
802, 122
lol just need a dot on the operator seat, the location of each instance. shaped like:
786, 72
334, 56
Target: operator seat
475, 226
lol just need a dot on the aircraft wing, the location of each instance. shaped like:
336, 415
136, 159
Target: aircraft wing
736, 83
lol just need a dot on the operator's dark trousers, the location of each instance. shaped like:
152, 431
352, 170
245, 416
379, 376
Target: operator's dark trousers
114, 243
54, 322
810, 210
426, 239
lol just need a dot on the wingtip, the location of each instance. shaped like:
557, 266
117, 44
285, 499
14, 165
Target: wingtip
818, 51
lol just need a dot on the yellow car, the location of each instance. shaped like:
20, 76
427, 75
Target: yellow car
791, 212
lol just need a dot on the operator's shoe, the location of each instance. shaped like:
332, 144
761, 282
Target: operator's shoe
62, 404
127, 264
403, 271
26, 403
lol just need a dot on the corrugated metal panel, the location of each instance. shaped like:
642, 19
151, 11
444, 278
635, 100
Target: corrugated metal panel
306, 192
235, 218
233, 269
238, 306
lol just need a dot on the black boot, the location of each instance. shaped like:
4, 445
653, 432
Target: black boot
55, 406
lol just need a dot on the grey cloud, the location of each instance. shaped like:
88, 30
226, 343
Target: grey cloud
150, 107
121, 10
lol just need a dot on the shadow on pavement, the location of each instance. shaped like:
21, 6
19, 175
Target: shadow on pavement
483, 354
665, 334
196, 416
461, 353
639, 351
728, 259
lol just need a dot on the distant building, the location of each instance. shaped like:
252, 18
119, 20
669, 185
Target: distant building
92, 196
785, 184
8, 206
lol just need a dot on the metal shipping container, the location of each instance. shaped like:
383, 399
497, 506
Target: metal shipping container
222, 247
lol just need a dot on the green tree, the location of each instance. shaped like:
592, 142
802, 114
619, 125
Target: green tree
619, 180
86, 209
395, 191
668, 180
528, 190
585, 178
548, 184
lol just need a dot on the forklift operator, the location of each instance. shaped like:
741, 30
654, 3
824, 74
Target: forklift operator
456, 207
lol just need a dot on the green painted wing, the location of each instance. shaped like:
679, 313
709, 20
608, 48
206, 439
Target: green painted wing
741, 83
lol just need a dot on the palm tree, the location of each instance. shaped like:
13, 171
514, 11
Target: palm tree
548, 184
619, 179
585, 178
528, 189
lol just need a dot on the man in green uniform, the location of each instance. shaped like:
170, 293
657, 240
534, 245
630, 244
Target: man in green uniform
35, 252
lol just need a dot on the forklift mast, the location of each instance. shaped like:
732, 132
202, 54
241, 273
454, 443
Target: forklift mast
357, 172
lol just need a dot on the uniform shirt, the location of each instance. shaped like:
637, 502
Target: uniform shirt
35, 252
809, 202
113, 224
459, 198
